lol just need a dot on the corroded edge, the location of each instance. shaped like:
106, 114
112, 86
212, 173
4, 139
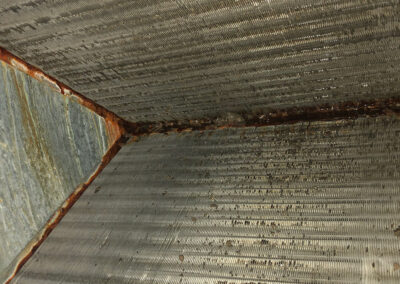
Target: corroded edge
326, 112
115, 125
30, 249
116, 131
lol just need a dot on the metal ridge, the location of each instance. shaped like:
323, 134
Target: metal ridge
326, 112
119, 126
114, 123
120, 129
116, 134
63, 210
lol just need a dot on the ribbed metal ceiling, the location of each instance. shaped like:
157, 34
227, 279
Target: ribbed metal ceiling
312, 201
177, 59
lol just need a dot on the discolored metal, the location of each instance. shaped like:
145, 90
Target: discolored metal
304, 203
251, 184
171, 60
49, 145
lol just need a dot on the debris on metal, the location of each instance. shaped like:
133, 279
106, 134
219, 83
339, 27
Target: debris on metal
345, 110
261, 141
164, 60
306, 202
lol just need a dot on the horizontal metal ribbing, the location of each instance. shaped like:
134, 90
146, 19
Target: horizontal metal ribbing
297, 203
173, 60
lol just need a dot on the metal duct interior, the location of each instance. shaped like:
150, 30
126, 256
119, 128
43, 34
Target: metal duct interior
305, 203
183, 59
315, 201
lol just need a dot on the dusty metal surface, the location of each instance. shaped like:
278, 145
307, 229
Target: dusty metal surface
309, 202
171, 60
49, 145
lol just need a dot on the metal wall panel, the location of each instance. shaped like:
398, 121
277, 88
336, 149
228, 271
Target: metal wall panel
49, 145
168, 59
304, 203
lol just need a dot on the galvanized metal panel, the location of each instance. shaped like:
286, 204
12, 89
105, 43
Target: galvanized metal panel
304, 203
166, 59
49, 145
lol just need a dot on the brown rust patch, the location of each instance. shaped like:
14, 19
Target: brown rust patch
114, 131
63, 210
396, 266
397, 232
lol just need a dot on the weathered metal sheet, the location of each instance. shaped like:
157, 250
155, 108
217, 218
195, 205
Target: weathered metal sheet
304, 203
171, 60
49, 145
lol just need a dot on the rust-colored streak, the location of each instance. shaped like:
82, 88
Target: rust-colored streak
115, 135
117, 126
60, 213
114, 123
114, 131
346, 110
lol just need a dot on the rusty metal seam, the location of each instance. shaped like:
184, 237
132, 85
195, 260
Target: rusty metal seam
119, 129
114, 123
63, 210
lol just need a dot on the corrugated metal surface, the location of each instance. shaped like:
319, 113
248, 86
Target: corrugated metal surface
305, 203
49, 145
175, 59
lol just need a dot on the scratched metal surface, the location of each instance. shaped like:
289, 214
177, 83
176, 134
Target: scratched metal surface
177, 59
302, 203
49, 144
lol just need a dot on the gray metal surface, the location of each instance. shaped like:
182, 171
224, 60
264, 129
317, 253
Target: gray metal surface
175, 59
305, 203
49, 145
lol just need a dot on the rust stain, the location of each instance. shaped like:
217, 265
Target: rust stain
326, 112
114, 131
61, 212
115, 124
213, 205
397, 232
36, 148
